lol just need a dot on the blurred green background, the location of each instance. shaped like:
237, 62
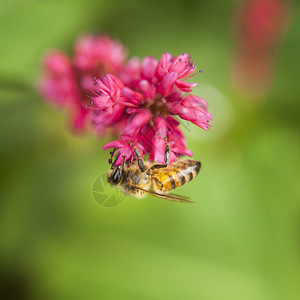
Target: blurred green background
239, 241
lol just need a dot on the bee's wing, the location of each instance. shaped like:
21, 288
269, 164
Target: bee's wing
171, 197
181, 197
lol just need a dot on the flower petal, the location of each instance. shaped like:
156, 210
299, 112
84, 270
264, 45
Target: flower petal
162, 66
132, 96
149, 65
158, 150
140, 119
167, 84
148, 89
114, 144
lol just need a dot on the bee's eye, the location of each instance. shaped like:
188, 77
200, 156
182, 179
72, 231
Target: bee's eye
116, 176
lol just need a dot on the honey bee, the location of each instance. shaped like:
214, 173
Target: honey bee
144, 178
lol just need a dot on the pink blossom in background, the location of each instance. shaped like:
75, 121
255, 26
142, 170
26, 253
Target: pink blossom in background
150, 96
94, 56
67, 82
58, 85
259, 28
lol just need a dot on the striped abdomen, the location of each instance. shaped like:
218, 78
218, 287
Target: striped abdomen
175, 175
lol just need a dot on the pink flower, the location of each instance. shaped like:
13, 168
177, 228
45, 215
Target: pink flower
259, 28
192, 108
138, 100
58, 85
174, 70
154, 92
125, 149
108, 104
95, 56
67, 83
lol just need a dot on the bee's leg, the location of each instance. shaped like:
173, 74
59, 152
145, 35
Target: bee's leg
113, 162
111, 156
124, 173
139, 157
167, 159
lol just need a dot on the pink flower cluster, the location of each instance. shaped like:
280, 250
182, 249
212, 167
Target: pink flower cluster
139, 99
67, 82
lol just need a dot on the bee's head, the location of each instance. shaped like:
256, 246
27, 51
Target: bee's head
114, 175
